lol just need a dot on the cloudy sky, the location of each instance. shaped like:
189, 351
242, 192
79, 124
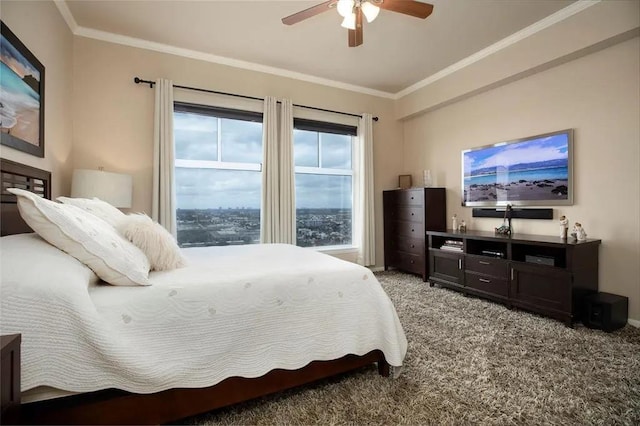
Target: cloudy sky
14, 60
196, 138
531, 151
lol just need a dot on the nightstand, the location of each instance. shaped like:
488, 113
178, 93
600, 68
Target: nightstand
10, 379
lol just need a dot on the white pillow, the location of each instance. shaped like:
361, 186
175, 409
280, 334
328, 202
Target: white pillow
86, 237
26, 258
155, 241
96, 207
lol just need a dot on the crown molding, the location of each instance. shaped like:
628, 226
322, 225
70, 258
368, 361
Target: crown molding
222, 60
67, 15
532, 29
550, 20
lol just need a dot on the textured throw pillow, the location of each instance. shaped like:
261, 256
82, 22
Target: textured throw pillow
96, 207
155, 241
86, 237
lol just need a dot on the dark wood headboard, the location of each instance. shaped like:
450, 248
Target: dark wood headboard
16, 175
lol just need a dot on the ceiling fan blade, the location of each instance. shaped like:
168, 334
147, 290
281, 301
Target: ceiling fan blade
308, 13
408, 7
355, 36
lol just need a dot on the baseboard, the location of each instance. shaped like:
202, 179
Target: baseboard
635, 323
376, 268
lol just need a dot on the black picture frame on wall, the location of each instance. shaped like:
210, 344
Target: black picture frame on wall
22, 102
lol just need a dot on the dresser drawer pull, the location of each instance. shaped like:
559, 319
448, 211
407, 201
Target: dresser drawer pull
413, 246
412, 214
412, 198
412, 261
483, 280
482, 262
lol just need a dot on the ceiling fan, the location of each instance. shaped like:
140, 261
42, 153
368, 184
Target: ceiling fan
352, 11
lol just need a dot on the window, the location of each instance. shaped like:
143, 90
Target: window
323, 154
218, 156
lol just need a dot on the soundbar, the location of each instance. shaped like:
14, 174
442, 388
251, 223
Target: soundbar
516, 213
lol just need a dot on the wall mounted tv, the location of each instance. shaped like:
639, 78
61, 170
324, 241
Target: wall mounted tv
531, 171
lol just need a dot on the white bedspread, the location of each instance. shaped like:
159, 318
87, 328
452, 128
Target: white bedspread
234, 311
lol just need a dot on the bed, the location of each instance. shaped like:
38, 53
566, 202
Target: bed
237, 323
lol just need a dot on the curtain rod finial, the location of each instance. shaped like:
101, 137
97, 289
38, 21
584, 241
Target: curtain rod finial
138, 80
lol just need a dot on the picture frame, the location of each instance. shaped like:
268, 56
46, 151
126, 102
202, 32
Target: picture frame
22, 106
404, 181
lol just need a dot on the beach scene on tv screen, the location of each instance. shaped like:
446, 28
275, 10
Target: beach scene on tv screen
531, 170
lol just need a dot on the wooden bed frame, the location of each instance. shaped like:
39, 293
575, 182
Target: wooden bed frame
120, 407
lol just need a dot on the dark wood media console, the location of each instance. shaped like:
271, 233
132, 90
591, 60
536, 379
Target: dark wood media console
542, 274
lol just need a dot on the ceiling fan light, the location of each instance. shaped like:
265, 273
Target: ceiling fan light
345, 7
370, 11
349, 21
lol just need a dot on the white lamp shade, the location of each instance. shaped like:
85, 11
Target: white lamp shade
114, 188
349, 21
345, 7
370, 11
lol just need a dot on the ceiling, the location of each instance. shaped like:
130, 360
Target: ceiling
398, 50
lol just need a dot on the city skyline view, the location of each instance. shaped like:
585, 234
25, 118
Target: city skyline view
219, 227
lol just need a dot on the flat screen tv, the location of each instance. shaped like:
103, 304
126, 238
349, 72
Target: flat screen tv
531, 171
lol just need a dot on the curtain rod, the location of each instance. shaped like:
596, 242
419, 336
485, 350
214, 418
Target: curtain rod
138, 80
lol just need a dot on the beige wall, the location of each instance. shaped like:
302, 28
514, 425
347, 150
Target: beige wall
113, 117
598, 96
40, 27
598, 26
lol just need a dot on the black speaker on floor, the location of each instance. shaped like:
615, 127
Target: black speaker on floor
605, 311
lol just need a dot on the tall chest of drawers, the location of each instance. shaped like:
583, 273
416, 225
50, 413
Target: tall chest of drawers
408, 214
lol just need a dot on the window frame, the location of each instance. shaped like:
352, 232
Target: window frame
334, 128
219, 114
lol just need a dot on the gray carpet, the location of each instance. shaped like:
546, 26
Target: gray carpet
471, 362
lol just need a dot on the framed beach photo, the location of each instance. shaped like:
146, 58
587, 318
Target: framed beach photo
22, 96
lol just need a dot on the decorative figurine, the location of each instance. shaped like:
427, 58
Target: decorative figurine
462, 227
564, 227
579, 232
454, 222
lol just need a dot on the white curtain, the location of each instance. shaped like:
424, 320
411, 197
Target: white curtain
164, 194
278, 214
363, 200
270, 211
287, 176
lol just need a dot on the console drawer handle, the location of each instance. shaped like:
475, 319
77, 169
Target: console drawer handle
412, 261
482, 262
484, 281
413, 246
